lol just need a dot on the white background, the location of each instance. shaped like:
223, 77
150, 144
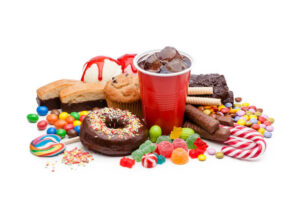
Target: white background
255, 44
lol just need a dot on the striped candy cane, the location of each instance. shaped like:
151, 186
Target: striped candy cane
245, 143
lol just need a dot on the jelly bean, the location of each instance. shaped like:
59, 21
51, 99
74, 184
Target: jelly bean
238, 99
219, 155
77, 123
262, 119
77, 129
262, 126
240, 113
241, 122
84, 112
61, 132
42, 125
52, 118
211, 151
255, 126
207, 112
228, 105
186, 132
267, 135
245, 104
258, 114
269, 128
82, 118
59, 124
253, 120
261, 131
267, 123
32, 118
253, 117
70, 119
75, 115
63, 115
154, 133
271, 120
202, 157
51, 130
42, 110
224, 110
68, 127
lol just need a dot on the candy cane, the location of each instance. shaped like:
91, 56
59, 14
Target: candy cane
239, 146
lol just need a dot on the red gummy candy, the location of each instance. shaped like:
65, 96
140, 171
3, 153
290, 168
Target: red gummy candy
200, 144
127, 162
194, 153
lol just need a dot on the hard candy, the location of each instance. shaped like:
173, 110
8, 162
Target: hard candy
61, 132
269, 128
32, 118
42, 110
202, 157
219, 155
211, 151
51, 130
154, 132
63, 115
77, 129
52, 118
149, 160
179, 156
267, 135
75, 115
42, 125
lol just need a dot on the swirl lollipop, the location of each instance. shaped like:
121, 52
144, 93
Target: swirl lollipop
49, 145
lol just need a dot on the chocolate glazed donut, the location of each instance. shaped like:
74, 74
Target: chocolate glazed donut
112, 145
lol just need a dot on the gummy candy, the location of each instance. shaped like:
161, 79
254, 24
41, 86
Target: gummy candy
179, 156
186, 132
176, 132
165, 148
127, 162
163, 138
180, 143
146, 147
194, 153
160, 159
200, 144
149, 160
190, 141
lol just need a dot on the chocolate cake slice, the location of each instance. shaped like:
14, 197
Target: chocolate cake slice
84, 96
48, 95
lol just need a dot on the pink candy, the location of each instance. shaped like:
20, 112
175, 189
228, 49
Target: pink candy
180, 143
165, 148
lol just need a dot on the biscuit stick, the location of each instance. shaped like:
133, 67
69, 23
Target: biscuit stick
206, 101
200, 90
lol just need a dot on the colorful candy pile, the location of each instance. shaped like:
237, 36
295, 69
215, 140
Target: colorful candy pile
243, 114
178, 147
63, 122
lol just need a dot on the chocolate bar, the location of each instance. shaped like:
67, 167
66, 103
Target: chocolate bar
221, 135
204, 121
226, 121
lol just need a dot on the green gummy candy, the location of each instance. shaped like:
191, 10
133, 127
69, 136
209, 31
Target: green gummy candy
190, 141
186, 132
137, 155
163, 138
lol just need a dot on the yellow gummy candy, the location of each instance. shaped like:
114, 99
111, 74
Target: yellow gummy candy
176, 132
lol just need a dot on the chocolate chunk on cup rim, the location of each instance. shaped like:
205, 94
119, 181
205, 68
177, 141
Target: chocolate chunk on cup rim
139, 56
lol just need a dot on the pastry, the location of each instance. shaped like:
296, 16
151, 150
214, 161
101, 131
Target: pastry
100, 69
113, 132
84, 96
48, 95
126, 62
123, 92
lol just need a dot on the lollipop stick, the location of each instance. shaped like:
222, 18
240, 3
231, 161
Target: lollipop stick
72, 140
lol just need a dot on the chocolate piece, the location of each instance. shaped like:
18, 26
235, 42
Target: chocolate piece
221, 135
87, 105
168, 60
260, 110
49, 103
206, 122
238, 99
55, 111
226, 121
72, 133
216, 81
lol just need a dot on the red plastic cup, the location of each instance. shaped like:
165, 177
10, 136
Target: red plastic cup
163, 95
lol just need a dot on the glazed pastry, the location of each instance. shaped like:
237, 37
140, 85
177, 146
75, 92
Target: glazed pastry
113, 132
100, 69
123, 92
126, 62
48, 95
84, 96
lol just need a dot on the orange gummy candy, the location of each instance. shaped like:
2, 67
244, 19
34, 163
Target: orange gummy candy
179, 156
176, 132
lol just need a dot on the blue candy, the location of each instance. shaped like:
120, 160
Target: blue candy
267, 134
228, 105
42, 110
160, 159
253, 121
236, 118
51, 130
77, 129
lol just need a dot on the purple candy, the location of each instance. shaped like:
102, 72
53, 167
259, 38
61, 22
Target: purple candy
211, 151
269, 128
251, 110
240, 113
262, 126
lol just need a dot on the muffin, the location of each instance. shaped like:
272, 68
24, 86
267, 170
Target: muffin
123, 92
